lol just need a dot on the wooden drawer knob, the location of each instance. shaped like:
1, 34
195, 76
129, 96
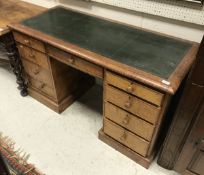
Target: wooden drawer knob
128, 104
31, 55
71, 60
27, 41
37, 70
126, 120
130, 88
42, 85
123, 137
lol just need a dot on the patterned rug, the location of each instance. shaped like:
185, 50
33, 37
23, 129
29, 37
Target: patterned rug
15, 159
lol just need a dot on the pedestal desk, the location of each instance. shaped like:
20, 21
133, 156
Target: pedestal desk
62, 50
14, 11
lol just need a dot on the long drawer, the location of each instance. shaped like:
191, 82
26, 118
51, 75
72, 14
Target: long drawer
42, 87
76, 62
37, 72
125, 137
132, 104
129, 121
33, 55
29, 41
134, 88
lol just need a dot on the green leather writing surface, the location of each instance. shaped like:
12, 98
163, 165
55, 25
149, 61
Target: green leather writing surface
152, 53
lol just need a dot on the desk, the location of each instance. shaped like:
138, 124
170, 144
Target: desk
62, 50
14, 11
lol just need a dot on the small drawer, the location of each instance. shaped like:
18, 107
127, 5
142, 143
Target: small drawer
42, 87
129, 121
33, 55
132, 104
76, 62
125, 137
37, 72
29, 41
134, 88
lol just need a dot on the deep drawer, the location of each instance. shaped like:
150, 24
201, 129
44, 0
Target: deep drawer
125, 137
134, 88
37, 72
42, 87
34, 56
132, 104
29, 41
129, 121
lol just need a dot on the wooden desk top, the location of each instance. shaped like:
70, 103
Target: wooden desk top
15, 11
151, 58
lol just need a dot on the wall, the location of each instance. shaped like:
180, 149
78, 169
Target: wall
173, 9
172, 27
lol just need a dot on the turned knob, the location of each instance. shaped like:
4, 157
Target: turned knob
126, 120
71, 60
123, 137
130, 88
42, 85
128, 104
27, 41
32, 55
36, 71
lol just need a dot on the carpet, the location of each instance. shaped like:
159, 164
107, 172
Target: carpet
16, 159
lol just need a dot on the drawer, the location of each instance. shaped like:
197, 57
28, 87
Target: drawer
29, 41
37, 72
125, 137
42, 87
76, 62
129, 121
34, 56
134, 88
132, 104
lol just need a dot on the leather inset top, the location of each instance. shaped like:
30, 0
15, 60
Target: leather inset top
156, 54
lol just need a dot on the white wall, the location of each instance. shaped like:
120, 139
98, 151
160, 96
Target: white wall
171, 27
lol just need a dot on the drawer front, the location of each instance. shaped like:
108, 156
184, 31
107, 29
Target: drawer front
125, 137
33, 55
132, 104
42, 87
29, 41
37, 72
76, 62
129, 121
131, 87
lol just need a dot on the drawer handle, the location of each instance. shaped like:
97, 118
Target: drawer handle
126, 120
37, 70
71, 60
128, 104
130, 88
41, 86
31, 55
123, 137
27, 41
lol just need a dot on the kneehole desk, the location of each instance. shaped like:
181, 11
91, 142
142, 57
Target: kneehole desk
63, 50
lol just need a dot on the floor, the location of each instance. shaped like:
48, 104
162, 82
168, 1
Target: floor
64, 144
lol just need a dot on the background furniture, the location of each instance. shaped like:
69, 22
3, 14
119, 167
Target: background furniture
183, 149
3, 167
14, 11
62, 50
